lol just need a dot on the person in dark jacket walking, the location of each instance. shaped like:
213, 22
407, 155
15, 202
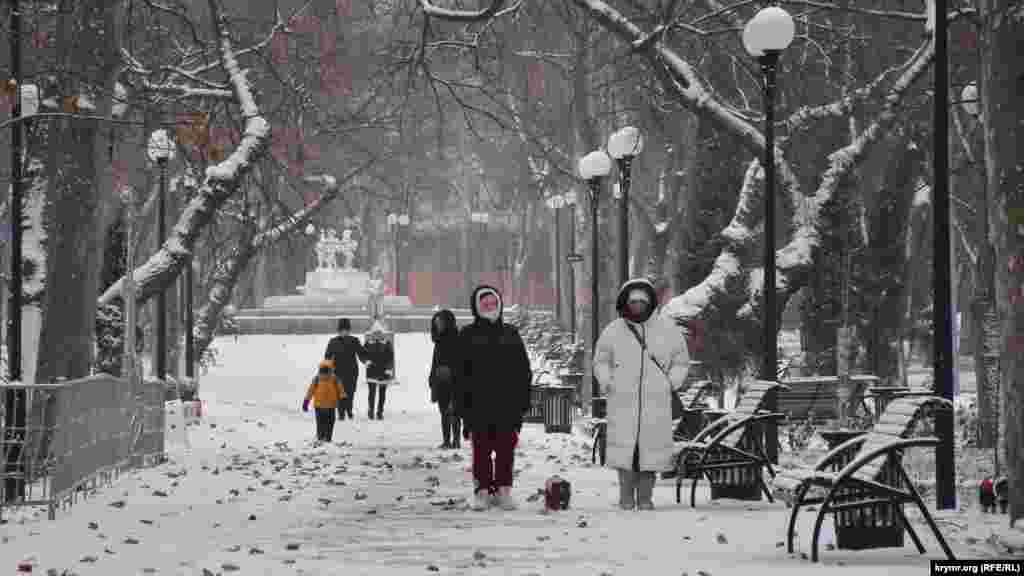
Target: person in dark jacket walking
493, 383
380, 368
445, 334
346, 351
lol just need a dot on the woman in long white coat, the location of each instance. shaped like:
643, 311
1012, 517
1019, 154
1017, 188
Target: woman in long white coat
640, 360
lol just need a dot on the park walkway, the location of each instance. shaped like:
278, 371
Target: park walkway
251, 494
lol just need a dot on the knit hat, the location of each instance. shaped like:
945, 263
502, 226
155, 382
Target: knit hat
344, 324
638, 294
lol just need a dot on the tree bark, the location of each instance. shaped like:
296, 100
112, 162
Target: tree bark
75, 214
1002, 83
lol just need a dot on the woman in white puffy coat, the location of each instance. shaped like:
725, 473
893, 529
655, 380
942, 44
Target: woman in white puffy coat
640, 360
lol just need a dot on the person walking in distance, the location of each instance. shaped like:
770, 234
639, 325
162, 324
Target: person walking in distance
493, 383
445, 334
346, 351
640, 360
325, 392
380, 368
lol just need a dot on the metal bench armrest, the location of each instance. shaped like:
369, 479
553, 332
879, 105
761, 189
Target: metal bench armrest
863, 459
838, 452
743, 423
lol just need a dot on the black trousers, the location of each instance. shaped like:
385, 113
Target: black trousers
324, 424
371, 395
345, 406
451, 425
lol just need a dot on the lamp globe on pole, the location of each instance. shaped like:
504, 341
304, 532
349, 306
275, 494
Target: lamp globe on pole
628, 142
593, 167
29, 99
969, 99
623, 146
161, 147
765, 37
770, 31
597, 164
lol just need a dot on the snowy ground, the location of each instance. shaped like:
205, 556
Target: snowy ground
252, 495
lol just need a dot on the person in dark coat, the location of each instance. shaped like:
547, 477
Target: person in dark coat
445, 334
493, 383
380, 368
346, 351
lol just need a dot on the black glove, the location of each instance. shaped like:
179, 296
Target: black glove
465, 432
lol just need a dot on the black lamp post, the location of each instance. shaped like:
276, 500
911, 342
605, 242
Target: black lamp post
480, 219
623, 146
570, 202
555, 203
161, 150
395, 221
942, 326
765, 37
593, 168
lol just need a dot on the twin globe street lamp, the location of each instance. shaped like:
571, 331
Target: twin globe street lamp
161, 150
593, 168
765, 37
623, 146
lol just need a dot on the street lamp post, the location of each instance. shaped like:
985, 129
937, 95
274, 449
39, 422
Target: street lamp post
481, 219
593, 168
623, 146
161, 150
942, 325
765, 37
570, 202
555, 203
395, 221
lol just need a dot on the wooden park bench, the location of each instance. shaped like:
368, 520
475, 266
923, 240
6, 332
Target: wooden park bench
863, 483
730, 450
816, 398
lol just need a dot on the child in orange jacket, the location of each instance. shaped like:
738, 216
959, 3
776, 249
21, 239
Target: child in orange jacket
325, 391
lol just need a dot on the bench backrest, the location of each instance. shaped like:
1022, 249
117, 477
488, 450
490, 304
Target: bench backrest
809, 395
754, 396
897, 422
694, 393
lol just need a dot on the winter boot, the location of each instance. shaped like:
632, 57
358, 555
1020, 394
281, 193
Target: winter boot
481, 500
645, 490
446, 431
627, 488
504, 500
456, 431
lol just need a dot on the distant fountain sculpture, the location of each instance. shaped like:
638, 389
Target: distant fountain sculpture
347, 246
340, 287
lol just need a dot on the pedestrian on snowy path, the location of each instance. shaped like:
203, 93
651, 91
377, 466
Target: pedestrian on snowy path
640, 360
380, 368
345, 350
325, 392
493, 382
445, 334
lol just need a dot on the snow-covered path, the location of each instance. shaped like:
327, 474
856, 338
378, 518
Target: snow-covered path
253, 496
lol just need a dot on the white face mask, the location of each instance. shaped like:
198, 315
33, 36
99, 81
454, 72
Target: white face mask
490, 315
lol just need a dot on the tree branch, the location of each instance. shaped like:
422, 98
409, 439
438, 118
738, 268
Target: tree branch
461, 15
220, 182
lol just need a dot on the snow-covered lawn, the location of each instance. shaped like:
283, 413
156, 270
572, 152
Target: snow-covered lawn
253, 495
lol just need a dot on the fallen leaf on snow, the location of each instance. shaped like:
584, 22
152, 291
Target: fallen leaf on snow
117, 504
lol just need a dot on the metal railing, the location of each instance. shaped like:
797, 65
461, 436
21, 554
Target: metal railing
79, 434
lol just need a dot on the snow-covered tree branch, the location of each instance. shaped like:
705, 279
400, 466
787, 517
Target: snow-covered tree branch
250, 242
220, 182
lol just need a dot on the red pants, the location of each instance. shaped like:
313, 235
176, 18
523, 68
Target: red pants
488, 475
